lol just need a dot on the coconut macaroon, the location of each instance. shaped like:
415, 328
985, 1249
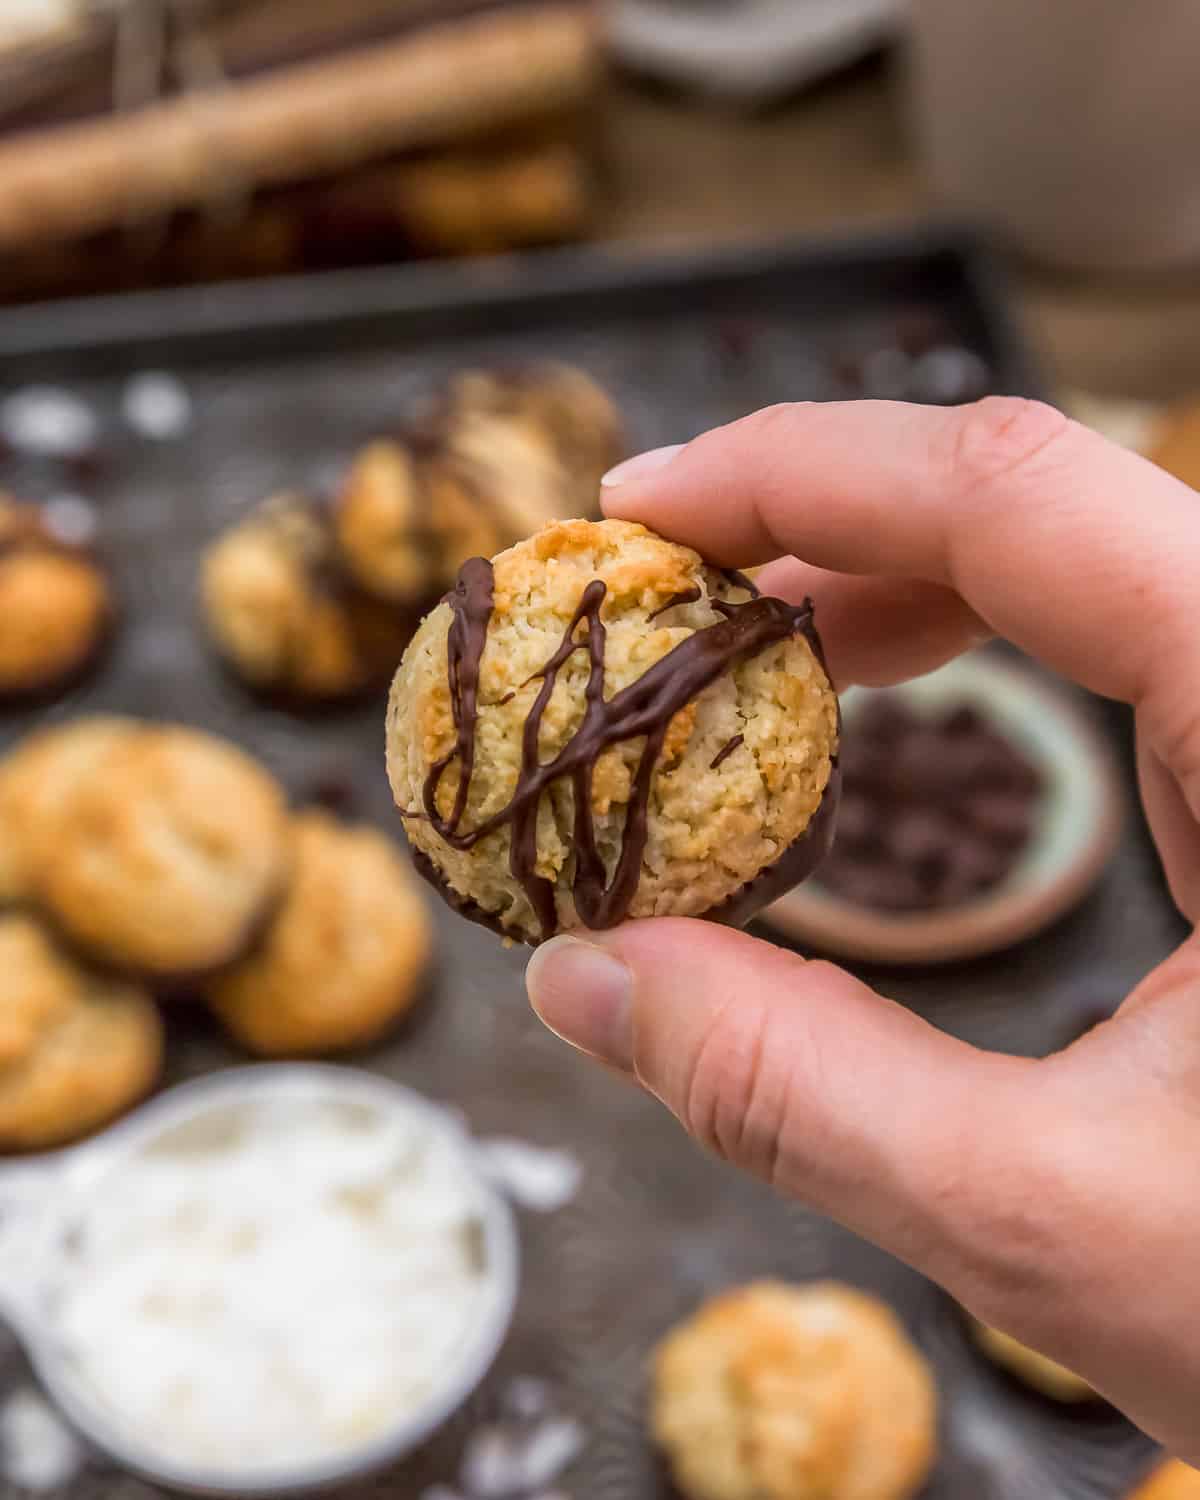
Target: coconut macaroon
405, 518
76, 1048
1036, 1370
344, 958
36, 778
56, 605
501, 454
778, 1392
599, 725
545, 422
167, 858
283, 615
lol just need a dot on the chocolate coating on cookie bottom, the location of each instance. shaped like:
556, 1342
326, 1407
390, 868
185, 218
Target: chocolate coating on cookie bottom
643, 709
795, 864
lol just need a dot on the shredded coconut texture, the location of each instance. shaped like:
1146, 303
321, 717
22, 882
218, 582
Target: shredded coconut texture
276, 1282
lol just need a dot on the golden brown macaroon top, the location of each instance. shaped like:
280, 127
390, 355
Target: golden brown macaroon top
76, 1048
55, 603
743, 765
167, 858
343, 958
558, 404
777, 1392
35, 779
405, 520
279, 611
501, 454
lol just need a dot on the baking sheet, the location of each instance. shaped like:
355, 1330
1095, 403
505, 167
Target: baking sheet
287, 379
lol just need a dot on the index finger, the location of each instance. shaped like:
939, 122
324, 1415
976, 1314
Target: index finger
1080, 552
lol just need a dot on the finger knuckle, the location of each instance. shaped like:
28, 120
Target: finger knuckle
1176, 740
773, 427
1002, 438
732, 1106
996, 1213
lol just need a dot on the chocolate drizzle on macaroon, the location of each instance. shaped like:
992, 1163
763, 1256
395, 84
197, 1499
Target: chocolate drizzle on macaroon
643, 709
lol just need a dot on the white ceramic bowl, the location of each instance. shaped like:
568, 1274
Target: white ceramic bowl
39, 1202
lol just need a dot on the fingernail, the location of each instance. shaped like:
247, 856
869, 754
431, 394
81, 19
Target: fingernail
642, 465
585, 996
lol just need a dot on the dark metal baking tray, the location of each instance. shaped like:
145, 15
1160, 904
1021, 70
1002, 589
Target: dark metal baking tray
287, 378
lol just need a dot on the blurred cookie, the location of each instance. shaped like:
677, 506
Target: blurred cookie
55, 604
1036, 1370
345, 955
1172, 1480
556, 407
501, 454
597, 661
168, 857
283, 615
1176, 443
777, 1392
35, 779
76, 1049
405, 520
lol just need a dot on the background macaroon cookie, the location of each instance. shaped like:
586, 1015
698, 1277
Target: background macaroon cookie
167, 859
343, 959
500, 454
77, 1048
35, 779
56, 605
285, 618
780, 1392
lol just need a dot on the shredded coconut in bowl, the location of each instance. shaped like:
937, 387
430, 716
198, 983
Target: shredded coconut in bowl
276, 1282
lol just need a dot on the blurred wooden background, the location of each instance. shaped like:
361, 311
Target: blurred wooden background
383, 129
838, 156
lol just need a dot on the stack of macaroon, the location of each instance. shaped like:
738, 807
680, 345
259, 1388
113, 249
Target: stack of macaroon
312, 601
141, 861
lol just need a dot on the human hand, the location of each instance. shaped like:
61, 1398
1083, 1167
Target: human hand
1058, 1199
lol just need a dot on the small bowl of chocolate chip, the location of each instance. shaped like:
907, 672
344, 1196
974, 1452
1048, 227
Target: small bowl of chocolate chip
979, 805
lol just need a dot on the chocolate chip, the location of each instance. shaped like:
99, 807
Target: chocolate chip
90, 467
860, 883
919, 329
918, 836
883, 719
333, 790
735, 339
975, 865
845, 367
858, 824
899, 890
964, 719
868, 768
936, 807
1004, 818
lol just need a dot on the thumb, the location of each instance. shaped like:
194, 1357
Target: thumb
797, 1072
